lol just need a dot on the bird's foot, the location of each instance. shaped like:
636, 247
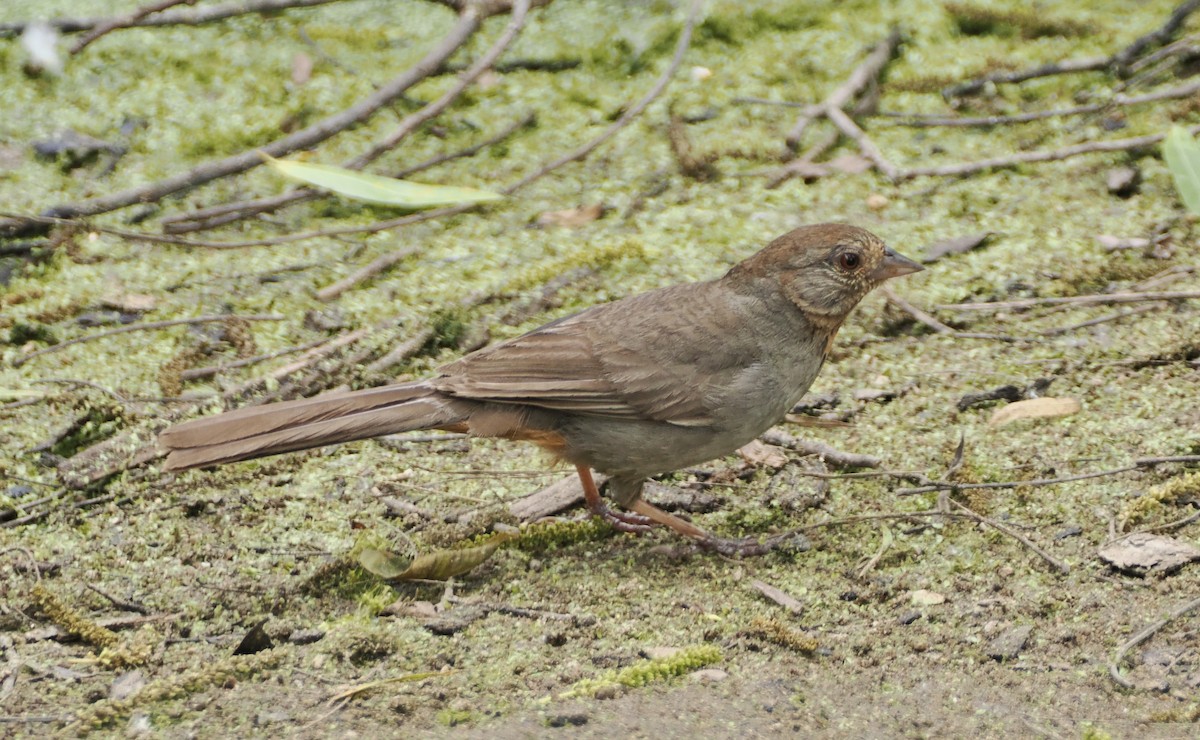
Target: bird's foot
622, 521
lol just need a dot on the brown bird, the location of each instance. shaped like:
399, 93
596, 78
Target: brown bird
633, 388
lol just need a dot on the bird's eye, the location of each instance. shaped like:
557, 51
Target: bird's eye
849, 260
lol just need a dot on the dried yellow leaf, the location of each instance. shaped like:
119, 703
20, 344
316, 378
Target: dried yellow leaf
1034, 408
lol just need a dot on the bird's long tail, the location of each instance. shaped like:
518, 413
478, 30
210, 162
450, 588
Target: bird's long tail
258, 431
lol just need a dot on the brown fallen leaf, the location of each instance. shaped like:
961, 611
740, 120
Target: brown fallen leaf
1114, 243
1141, 552
760, 453
1034, 408
130, 302
925, 597
957, 245
571, 217
784, 599
434, 566
851, 164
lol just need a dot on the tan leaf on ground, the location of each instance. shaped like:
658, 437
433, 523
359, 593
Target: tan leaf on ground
1143, 551
1034, 408
572, 217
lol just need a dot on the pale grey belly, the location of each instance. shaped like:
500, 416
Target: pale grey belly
639, 449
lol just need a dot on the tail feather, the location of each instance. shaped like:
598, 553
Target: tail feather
258, 431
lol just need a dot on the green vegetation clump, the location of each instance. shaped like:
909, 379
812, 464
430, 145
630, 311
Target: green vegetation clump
1184, 487
538, 538
214, 675
779, 633
648, 671
71, 620
978, 20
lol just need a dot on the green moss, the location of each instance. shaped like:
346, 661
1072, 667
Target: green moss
980, 20
449, 325
98, 422
20, 333
649, 671
780, 634
538, 538
1183, 488
454, 717
216, 673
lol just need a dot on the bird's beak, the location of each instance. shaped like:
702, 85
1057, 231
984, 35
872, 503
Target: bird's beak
894, 265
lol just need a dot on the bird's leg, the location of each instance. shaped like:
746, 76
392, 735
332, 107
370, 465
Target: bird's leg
655, 514
704, 539
619, 521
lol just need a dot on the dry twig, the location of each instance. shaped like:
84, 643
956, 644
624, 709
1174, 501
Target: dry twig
1119, 61
832, 108
194, 17
1053, 155
470, 19
1119, 100
1114, 666
1098, 299
1058, 565
208, 218
144, 327
125, 21
384, 262
859, 79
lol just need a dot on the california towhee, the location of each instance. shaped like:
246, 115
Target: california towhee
641, 386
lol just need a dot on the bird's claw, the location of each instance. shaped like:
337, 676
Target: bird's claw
623, 521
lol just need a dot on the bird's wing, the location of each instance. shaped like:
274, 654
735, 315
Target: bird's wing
608, 361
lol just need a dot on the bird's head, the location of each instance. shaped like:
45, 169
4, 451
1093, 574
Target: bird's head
825, 269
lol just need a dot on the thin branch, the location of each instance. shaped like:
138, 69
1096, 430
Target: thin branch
384, 262
125, 21
805, 163
1116, 315
1119, 61
1034, 483
685, 39
1145, 462
85, 384
1184, 46
389, 142
1054, 155
1070, 66
1114, 666
194, 17
468, 23
1122, 59
1138, 464
858, 80
847, 126
195, 373
937, 326
923, 317
208, 218
143, 327
1100, 299
1119, 100
1057, 564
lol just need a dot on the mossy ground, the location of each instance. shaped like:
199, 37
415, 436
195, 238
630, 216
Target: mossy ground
223, 550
